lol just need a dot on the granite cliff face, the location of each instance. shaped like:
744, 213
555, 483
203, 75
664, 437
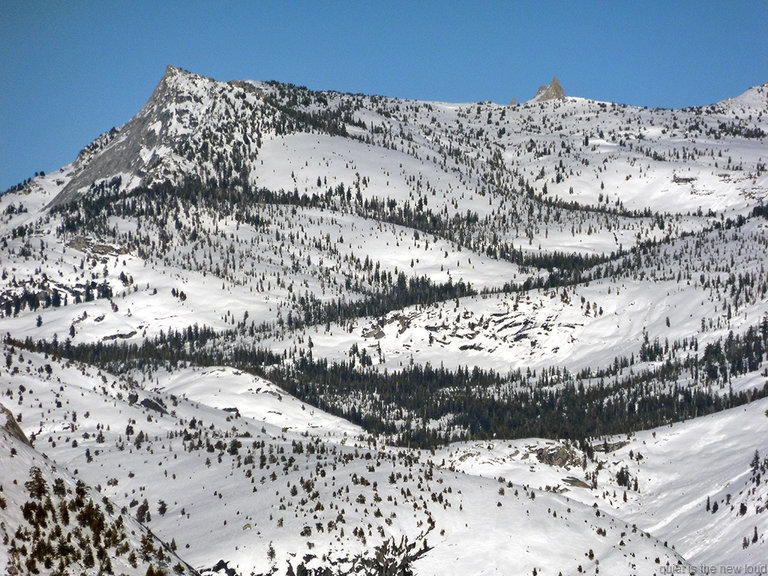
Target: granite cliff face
171, 137
119, 151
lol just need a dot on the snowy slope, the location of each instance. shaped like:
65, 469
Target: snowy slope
679, 469
53, 523
336, 493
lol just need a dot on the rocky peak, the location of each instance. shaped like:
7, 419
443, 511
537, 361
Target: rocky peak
552, 92
147, 143
171, 71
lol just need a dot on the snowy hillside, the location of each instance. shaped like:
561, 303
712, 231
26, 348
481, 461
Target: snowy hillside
285, 329
228, 482
52, 521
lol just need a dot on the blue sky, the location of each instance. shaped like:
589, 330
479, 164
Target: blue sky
72, 70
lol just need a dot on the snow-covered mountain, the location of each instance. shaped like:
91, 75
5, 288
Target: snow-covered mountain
296, 330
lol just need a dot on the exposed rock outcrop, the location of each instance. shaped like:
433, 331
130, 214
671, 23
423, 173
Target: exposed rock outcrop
552, 92
8, 421
560, 455
131, 146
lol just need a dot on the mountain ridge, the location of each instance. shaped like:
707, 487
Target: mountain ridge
135, 150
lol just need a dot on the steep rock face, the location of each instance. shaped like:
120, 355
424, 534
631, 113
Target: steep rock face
119, 150
11, 426
552, 92
187, 114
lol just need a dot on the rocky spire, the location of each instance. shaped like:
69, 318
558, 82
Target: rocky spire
552, 92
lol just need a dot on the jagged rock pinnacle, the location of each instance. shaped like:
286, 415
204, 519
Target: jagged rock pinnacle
552, 92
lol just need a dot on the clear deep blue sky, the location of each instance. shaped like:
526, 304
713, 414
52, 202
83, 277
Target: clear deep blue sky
72, 70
